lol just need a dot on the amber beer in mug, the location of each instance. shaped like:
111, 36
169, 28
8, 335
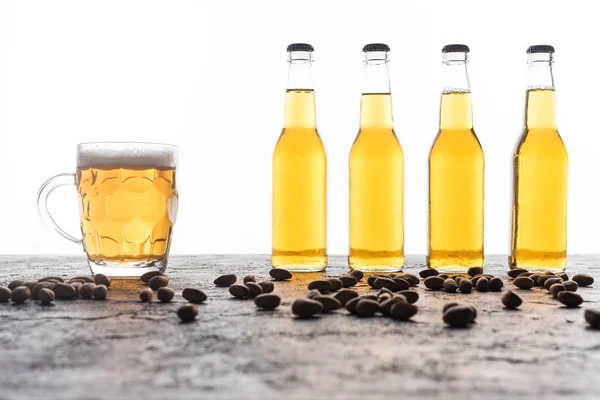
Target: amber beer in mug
128, 205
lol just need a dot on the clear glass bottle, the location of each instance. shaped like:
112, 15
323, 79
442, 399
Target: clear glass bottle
456, 174
376, 174
540, 174
299, 175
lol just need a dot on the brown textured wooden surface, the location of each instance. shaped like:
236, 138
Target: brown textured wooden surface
121, 348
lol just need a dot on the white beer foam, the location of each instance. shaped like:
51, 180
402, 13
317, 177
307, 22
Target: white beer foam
126, 154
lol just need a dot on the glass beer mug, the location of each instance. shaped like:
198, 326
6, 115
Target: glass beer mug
127, 202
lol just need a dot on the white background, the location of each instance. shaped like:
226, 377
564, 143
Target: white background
210, 77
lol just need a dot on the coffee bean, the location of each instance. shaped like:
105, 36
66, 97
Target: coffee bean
564, 276
87, 290
385, 306
392, 275
268, 301
46, 296
249, 278
526, 274
401, 284
77, 287
513, 273
72, 281
20, 294
428, 272
15, 284
475, 279
30, 284
371, 279
225, 280
86, 279
348, 280
511, 300
383, 297
523, 282
410, 295
592, 316
345, 295
465, 286
412, 279
534, 278
40, 286
52, 278
100, 292
101, 279
583, 279
312, 294
239, 291
496, 284
146, 295
368, 296
280, 274
5, 294
552, 281
570, 299
541, 280
351, 304
403, 311
266, 286
328, 303
384, 290
254, 289
336, 284
571, 286
434, 282
158, 282
149, 275
358, 274
444, 276
187, 313
459, 316
166, 294
366, 308
322, 285
306, 308
450, 285
556, 288
483, 284
448, 305
474, 271
197, 296
549, 273
64, 291
387, 283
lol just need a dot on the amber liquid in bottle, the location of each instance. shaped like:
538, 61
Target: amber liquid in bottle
299, 179
376, 179
540, 169
456, 177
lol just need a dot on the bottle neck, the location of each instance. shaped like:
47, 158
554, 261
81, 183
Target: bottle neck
376, 102
455, 106
300, 97
541, 99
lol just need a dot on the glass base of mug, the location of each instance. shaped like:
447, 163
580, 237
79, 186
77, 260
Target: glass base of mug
126, 270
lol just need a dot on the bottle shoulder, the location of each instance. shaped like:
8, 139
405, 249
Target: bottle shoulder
543, 142
463, 142
299, 141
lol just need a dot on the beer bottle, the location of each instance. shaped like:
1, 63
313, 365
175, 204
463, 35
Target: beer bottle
376, 174
540, 166
456, 165
299, 174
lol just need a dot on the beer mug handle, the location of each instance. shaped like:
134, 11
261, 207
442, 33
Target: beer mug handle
42, 202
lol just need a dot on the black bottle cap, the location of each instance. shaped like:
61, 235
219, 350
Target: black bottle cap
456, 48
540, 48
376, 47
300, 47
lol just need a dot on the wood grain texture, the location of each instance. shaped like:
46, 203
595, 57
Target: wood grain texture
121, 348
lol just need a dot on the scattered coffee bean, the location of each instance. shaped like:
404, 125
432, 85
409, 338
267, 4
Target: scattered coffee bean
475, 271
371, 280
383, 290
475, 279
100, 292
266, 286
541, 280
40, 286
30, 284
249, 278
20, 294
312, 294
428, 272
306, 308
268, 301
523, 282
511, 300
345, 295
444, 276
197, 296
187, 313
496, 284
239, 291
64, 291
549, 273
401, 284
77, 286
552, 281
336, 284
384, 297
403, 311
166, 294
410, 295
592, 316
84, 278
571, 286
72, 281
534, 278
368, 296
385, 306
348, 280
46, 296
583, 279
526, 274
328, 303
146, 295
358, 274
483, 284
434, 282
254, 289
5, 294
351, 304
101, 279
412, 279
556, 288
280, 274
459, 316
513, 273
570, 299
149, 275
564, 276
387, 283
87, 290
225, 280
52, 278
450, 285
322, 285
158, 282
15, 284
448, 305
392, 275
366, 307
465, 286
